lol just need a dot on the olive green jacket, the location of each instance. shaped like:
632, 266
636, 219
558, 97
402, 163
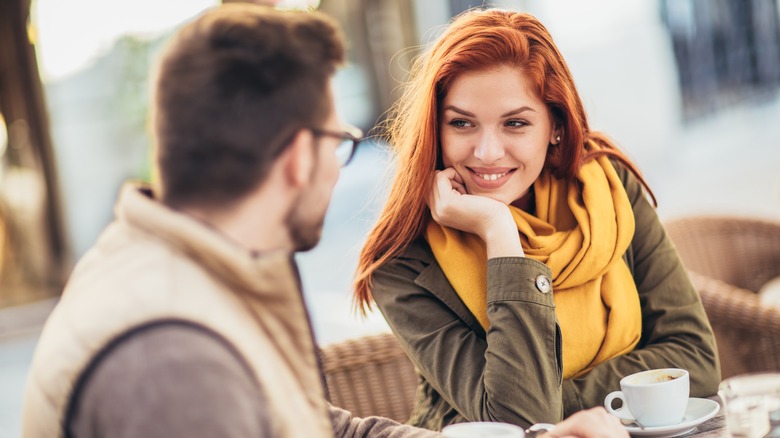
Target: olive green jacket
513, 372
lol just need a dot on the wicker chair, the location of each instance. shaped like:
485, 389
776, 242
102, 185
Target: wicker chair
729, 259
370, 376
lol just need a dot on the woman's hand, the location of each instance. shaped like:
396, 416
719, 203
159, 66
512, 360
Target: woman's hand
592, 423
491, 220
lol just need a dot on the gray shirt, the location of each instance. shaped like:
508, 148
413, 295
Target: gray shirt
176, 379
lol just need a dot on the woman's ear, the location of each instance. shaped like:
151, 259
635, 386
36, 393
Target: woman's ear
556, 135
298, 159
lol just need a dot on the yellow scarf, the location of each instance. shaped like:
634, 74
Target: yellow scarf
581, 237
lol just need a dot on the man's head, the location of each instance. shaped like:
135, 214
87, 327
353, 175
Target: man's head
233, 89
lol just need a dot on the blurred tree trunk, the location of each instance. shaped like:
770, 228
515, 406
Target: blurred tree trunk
380, 34
34, 248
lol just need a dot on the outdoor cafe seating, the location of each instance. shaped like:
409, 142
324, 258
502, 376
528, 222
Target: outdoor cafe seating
370, 375
729, 260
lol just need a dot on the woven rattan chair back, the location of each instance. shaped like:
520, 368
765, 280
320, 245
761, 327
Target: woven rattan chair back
370, 376
743, 252
729, 259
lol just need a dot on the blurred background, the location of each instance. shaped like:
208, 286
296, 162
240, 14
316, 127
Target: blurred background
688, 88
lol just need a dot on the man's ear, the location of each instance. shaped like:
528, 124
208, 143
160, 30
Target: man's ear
299, 159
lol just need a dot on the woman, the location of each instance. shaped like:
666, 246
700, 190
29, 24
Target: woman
517, 259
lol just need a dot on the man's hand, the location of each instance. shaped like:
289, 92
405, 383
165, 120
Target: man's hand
491, 220
592, 423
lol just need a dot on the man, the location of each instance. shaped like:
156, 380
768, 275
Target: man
186, 319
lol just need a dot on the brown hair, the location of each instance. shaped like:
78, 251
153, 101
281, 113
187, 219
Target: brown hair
475, 40
233, 88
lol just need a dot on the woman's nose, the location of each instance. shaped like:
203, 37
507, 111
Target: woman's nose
489, 149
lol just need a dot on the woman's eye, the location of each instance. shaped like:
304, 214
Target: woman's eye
459, 123
516, 123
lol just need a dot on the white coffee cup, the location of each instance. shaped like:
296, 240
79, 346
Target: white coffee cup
483, 429
652, 398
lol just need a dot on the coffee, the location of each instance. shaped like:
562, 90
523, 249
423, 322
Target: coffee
654, 376
665, 378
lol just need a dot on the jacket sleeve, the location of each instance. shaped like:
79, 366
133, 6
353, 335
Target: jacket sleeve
510, 374
347, 426
675, 330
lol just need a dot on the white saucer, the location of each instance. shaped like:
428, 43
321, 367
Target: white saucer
698, 411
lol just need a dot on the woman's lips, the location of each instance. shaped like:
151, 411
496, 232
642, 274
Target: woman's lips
490, 178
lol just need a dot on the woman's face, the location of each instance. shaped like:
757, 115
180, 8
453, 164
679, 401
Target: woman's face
495, 132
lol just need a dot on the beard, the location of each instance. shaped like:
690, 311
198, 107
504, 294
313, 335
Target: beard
304, 223
306, 217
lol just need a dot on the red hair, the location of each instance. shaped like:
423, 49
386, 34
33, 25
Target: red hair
475, 40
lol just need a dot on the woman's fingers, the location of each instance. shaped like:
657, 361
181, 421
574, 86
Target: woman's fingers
491, 220
448, 180
443, 186
449, 172
439, 201
591, 423
457, 178
459, 187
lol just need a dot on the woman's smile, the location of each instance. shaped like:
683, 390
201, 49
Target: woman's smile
487, 178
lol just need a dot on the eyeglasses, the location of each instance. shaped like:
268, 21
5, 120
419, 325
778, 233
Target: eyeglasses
350, 138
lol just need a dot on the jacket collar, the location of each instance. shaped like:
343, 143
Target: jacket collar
268, 283
260, 274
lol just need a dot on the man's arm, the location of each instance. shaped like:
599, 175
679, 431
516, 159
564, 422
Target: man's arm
592, 423
347, 426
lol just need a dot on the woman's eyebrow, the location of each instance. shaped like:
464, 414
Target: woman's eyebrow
507, 114
518, 111
458, 110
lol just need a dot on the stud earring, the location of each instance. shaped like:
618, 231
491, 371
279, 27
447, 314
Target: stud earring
558, 139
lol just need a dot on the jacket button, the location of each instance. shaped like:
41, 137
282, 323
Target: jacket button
543, 284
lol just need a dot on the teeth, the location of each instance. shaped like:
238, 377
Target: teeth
491, 176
